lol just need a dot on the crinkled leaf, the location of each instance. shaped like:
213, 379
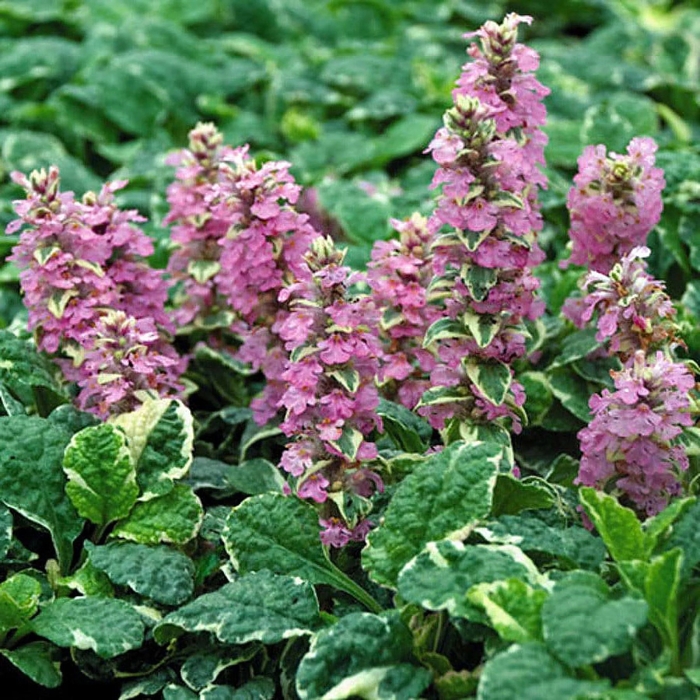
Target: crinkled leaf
573, 545
173, 691
257, 689
259, 535
23, 370
146, 686
157, 572
409, 432
32, 481
538, 394
173, 518
686, 536
101, 476
88, 581
107, 626
260, 606
576, 346
513, 608
160, 436
19, 600
448, 493
572, 391
492, 379
618, 526
361, 655
5, 530
583, 624
204, 666
513, 495
440, 576
37, 660
529, 672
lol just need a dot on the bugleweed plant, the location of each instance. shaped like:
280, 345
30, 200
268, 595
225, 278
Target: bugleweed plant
260, 473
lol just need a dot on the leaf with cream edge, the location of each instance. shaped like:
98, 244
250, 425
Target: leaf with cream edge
362, 655
492, 379
172, 518
32, 481
160, 435
19, 600
39, 661
440, 576
446, 496
260, 606
101, 475
107, 626
279, 533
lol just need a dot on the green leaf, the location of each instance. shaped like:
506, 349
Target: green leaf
446, 495
618, 526
662, 586
440, 576
574, 545
686, 536
513, 608
347, 377
444, 328
5, 530
19, 600
362, 655
349, 442
205, 665
513, 495
483, 327
573, 392
160, 436
260, 606
32, 481
37, 660
409, 134
255, 476
23, 371
492, 379
479, 281
529, 672
259, 535
101, 477
539, 396
107, 626
173, 518
583, 624
157, 572
441, 395
576, 346
88, 581
257, 689
409, 432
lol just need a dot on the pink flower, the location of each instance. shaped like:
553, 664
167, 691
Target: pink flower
614, 203
631, 441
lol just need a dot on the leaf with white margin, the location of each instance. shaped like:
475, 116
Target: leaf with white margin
279, 533
363, 655
101, 475
261, 606
172, 518
530, 672
583, 624
32, 481
446, 495
160, 435
442, 574
157, 572
19, 600
5, 530
512, 607
256, 689
106, 625
38, 661
203, 667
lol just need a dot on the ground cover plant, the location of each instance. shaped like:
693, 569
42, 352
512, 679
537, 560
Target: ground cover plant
348, 400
